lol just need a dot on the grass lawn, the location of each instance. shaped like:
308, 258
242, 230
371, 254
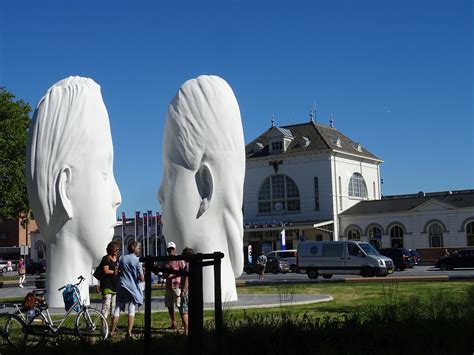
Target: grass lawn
348, 298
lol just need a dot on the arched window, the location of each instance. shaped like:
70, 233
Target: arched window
40, 249
470, 234
435, 232
278, 194
375, 237
353, 234
357, 186
396, 237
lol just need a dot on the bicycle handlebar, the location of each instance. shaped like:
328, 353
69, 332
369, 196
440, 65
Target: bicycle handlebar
80, 278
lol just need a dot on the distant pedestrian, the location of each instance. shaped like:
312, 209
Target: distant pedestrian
262, 263
21, 272
446, 252
184, 286
172, 291
128, 290
9, 265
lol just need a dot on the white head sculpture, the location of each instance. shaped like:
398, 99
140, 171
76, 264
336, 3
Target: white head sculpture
70, 180
204, 168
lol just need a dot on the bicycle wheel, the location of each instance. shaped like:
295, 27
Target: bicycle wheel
38, 329
13, 330
91, 325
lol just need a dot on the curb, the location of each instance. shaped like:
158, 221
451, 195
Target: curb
437, 278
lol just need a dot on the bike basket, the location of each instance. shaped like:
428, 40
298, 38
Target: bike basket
70, 297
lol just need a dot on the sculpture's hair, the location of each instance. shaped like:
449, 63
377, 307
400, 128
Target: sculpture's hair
203, 121
191, 134
56, 137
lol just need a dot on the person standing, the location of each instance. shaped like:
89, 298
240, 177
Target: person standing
262, 262
184, 286
172, 290
128, 290
9, 265
21, 272
108, 284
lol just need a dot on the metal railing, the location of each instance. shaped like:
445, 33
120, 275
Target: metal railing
196, 302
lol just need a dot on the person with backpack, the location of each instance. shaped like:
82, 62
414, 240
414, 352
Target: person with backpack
109, 278
128, 290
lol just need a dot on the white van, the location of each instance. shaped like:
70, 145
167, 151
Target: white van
342, 258
289, 255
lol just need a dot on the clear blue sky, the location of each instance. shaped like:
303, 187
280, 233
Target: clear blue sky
396, 75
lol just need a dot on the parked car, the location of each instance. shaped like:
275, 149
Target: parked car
341, 258
288, 255
35, 268
415, 256
400, 256
274, 265
460, 258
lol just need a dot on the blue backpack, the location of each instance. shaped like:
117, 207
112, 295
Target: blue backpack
70, 297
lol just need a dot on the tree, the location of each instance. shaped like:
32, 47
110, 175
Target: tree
14, 123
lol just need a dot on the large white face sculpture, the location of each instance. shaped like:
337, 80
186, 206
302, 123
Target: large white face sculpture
70, 180
204, 168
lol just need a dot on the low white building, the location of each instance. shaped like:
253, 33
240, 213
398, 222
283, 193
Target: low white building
423, 220
299, 178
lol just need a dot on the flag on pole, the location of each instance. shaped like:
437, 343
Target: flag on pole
150, 219
157, 232
145, 232
124, 221
158, 224
137, 220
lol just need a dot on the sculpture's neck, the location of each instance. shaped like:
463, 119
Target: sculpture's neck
67, 260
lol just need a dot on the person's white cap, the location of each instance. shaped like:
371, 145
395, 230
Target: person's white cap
171, 245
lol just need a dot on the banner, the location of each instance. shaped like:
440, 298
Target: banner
158, 224
283, 239
145, 233
124, 222
149, 231
137, 220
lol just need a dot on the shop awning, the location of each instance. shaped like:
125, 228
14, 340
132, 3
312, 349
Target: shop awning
322, 224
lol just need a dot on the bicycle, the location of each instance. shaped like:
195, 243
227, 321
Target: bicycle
89, 323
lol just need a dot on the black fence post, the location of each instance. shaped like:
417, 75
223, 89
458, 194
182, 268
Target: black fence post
148, 267
196, 305
218, 318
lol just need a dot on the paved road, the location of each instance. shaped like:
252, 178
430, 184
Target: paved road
416, 271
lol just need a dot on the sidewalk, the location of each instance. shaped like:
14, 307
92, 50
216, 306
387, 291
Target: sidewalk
244, 302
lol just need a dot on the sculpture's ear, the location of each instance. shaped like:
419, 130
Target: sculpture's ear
205, 185
63, 184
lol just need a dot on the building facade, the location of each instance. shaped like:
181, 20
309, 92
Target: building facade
419, 221
299, 178
13, 235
